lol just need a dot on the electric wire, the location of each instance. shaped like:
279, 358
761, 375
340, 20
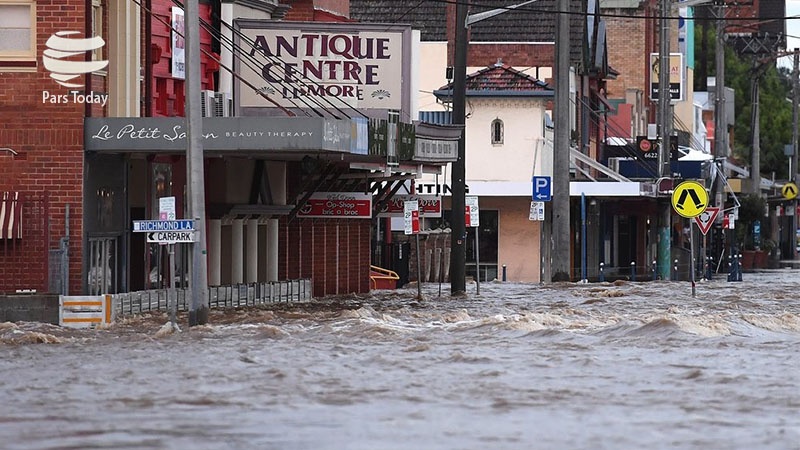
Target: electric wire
250, 62
210, 55
553, 11
304, 82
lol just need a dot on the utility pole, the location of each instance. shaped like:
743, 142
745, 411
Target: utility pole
793, 165
560, 263
755, 125
458, 253
720, 121
665, 130
198, 307
458, 226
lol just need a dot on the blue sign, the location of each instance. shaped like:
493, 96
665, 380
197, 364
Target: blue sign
541, 189
163, 225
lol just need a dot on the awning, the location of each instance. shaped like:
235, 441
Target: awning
603, 100
10, 215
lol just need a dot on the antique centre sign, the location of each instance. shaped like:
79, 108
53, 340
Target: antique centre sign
302, 65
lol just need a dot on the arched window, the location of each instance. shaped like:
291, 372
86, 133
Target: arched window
497, 132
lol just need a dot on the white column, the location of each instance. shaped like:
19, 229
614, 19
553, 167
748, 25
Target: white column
226, 54
123, 55
214, 252
271, 247
276, 172
252, 251
237, 251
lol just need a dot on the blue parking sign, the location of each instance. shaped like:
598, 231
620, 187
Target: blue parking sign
541, 189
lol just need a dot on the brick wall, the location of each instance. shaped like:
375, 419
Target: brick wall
318, 10
514, 54
168, 92
48, 138
627, 55
334, 253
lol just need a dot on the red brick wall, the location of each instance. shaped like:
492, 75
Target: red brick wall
49, 141
318, 10
627, 53
514, 54
334, 253
168, 92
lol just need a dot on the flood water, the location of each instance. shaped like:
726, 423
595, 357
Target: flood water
521, 366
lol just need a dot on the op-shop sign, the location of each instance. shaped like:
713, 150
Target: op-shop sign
471, 211
354, 205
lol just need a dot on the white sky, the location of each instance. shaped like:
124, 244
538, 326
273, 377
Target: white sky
792, 30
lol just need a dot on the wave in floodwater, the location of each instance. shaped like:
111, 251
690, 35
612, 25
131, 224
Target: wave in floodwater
565, 365
641, 310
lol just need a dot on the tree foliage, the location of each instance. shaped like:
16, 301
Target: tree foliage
775, 112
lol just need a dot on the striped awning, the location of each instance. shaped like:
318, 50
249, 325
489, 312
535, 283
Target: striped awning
10, 215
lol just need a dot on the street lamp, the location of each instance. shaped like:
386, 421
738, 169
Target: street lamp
458, 236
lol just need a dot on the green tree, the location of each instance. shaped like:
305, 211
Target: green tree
775, 114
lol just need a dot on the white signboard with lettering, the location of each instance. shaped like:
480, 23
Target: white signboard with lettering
360, 65
171, 237
411, 217
471, 212
537, 211
166, 208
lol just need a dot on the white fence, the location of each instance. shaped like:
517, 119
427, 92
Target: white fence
289, 291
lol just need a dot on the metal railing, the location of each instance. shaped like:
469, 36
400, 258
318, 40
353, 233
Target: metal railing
252, 294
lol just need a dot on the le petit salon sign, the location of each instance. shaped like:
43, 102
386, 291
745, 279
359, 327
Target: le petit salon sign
154, 134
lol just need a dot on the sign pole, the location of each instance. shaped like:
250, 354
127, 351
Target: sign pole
691, 257
477, 263
419, 270
173, 309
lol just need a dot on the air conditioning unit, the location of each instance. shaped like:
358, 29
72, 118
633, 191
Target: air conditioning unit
223, 104
207, 103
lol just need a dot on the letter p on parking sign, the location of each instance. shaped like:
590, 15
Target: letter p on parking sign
541, 189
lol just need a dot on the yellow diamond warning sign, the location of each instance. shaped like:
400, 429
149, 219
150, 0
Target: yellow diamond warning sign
689, 199
789, 191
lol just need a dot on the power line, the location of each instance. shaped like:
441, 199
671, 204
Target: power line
208, 54
272, 59
623, 16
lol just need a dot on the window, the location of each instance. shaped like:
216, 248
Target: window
97, 28
18, 34
497, 132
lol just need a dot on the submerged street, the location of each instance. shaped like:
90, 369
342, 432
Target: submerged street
520, 366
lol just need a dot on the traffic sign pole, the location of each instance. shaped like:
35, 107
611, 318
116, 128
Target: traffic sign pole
691, 259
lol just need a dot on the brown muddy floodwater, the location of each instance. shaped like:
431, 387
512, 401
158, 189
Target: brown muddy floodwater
522, 366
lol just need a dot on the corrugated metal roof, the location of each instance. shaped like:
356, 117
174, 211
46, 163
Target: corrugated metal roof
436, 117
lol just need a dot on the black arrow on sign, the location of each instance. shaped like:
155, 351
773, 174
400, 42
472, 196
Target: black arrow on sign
789, 189
697, 203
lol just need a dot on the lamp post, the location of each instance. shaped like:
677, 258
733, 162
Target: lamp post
458, 200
